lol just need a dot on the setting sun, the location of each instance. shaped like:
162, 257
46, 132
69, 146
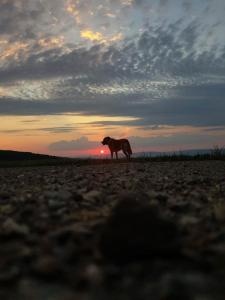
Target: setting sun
102, 151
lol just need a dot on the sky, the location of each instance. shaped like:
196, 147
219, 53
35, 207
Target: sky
75, 71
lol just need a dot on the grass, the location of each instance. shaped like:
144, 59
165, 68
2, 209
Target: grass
183, 157
218, 152
89, 161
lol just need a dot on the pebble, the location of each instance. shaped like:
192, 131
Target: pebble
11, 227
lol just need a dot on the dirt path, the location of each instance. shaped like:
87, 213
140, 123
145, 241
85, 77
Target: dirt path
115, 231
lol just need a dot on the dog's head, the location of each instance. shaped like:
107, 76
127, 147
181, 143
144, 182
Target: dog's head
106, 140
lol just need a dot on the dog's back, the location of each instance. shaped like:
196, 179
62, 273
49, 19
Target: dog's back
126, 146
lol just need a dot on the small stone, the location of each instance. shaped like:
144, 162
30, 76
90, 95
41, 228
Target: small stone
189, 220
219, 211
64, 195
188, 286
11, 227
50, 194
4, 196
61, 194
47, 266
93, 196
77, 197
162, 197
6, 209
8, 274
55, 204
90, 275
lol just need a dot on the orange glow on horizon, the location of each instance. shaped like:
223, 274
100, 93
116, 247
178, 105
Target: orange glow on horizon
37, 133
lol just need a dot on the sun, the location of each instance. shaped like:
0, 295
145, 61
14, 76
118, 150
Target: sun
102, 151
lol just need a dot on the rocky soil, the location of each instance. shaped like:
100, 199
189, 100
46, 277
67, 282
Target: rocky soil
114, 231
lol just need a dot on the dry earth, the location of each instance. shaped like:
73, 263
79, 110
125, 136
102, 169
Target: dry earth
114, 231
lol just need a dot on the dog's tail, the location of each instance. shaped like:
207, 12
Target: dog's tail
129, 148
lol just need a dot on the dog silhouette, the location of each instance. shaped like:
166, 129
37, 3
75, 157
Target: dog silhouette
117, 145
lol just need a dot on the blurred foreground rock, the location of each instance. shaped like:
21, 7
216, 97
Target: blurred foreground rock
136, 231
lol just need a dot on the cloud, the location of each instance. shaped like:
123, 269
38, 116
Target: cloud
52, 42
163, 2
72, 9
168, 72
99, 37
157, 51
56, 129
215, 129
62, 129
180, 140
187, 5
80, 144
18, 17
90, 35
30, 121
193, 105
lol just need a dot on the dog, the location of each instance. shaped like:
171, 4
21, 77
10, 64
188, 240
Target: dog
117, 145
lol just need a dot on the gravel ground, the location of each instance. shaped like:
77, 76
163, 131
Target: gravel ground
114, 231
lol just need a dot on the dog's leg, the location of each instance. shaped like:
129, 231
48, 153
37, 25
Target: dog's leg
111, 154
126, 154
116, 155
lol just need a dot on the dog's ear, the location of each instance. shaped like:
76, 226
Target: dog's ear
106, 140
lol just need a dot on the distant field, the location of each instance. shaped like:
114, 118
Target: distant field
26, 159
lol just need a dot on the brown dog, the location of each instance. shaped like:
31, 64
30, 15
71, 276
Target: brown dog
117, 145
